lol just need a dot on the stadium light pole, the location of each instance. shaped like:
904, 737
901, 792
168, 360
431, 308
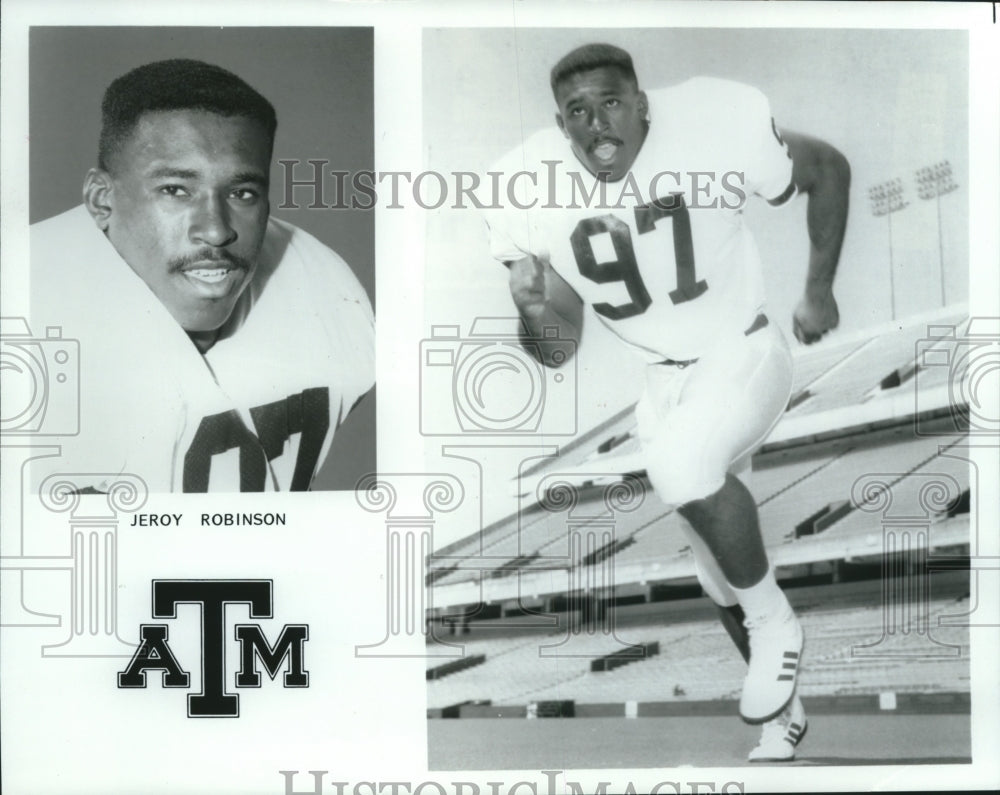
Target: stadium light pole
887, 198
933, 182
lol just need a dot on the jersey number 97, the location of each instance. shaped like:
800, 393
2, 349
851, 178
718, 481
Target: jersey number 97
625, 268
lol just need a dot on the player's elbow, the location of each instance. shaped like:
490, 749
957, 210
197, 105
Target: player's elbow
557, 354
837, 167
552, 351
553, 340
819, 167
831, 170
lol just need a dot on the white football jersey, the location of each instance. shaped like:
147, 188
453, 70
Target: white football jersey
663, 255
257, 412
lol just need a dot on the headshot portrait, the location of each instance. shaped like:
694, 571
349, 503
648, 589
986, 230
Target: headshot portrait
216, 307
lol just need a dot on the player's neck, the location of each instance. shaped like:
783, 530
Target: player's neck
203, 340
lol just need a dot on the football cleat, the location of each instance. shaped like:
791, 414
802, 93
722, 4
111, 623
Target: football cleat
781, 735
775, 649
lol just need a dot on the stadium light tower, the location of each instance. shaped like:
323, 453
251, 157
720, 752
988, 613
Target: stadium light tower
933, 182
886, 199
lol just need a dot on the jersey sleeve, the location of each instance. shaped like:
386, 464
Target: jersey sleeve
507, 225
505, 236
769, 166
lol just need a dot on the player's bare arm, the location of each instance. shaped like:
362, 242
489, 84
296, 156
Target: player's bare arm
823, 173
545, 300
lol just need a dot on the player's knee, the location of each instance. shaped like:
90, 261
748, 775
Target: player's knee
679, 480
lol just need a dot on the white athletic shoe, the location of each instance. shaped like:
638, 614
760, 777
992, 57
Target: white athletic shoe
781, 735
775, 649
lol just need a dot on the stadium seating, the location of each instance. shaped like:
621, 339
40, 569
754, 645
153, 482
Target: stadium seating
849, 374
787, 493
852, 416
697, 661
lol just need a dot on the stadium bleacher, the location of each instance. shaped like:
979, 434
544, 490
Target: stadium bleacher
787, 494
850, 422
846, 653
855, 377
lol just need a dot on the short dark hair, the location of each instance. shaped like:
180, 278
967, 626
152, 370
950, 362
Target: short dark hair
177, 84
592, 56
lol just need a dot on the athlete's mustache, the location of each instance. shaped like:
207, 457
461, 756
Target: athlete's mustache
604, 139
207, 258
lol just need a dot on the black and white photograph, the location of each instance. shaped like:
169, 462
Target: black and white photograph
209, 331
683, 321
705, 321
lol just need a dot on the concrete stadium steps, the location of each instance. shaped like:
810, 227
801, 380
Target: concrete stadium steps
839, 372
554, 546
813, 361
860, 648
922, 675
765, 483
469, 545
788, 493
587, 446
698, 659
654, 527
543, 539
499, 540
943, 468
686, 652
525, 671
493, 648
451, 577
659, 543
858, 375
512, 540
625, 426
833, 482
625, 529
813, 476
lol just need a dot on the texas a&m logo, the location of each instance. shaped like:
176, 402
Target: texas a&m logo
212, 597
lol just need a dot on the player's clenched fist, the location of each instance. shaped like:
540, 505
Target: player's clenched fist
527, 284
814, 316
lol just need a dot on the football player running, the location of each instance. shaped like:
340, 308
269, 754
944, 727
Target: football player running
668, 264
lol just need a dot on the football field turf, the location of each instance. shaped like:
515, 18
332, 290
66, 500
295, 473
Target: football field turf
589, 743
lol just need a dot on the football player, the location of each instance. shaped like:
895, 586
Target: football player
220, 347
642, 220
